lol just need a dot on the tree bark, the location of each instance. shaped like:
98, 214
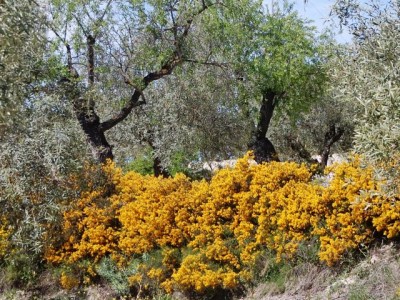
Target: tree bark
158, 169
331, 136
264, 150
90, 41
85, 108
90, 124
89, 121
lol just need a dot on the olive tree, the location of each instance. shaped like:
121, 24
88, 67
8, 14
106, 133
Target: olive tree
193, 114
368, 75
21, 50
115, 50
39, 141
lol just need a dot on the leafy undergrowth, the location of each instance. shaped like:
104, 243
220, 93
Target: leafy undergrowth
274, 223
374, 276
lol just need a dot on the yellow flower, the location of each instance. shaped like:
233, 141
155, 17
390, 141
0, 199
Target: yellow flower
68, 281
201, 235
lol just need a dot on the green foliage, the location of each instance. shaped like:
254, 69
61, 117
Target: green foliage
21, 50
117, 277
142, 163
35, 163
358, 293
287, 58
276, 274
367, 77
38, 142
305, 136
21, 269
179, 164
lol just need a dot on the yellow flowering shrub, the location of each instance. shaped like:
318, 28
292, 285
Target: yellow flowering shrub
251, 207
387, 212
286, 206
196, 273
387, 216
90, 229
154, 215
5, 233
68, 281
346, 222
203, 235
156, 269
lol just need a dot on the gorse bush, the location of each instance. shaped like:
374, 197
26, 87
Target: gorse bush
5, 233
198, 235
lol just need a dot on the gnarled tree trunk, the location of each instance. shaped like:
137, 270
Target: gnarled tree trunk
262, 147
85, 108
331, 136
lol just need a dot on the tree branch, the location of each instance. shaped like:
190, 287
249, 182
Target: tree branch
86, 33
166, 69
124, 112
98, 21
90, 45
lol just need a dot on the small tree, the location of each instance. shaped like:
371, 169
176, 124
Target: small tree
284, 67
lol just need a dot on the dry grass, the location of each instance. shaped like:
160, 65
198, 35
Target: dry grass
375, 277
